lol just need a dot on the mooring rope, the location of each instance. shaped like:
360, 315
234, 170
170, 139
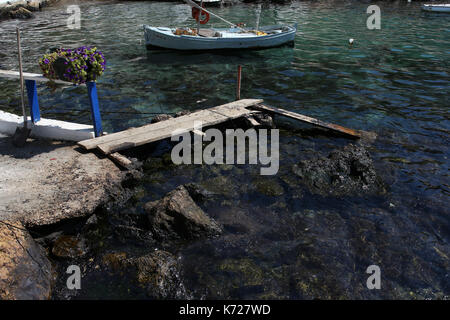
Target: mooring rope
114, 112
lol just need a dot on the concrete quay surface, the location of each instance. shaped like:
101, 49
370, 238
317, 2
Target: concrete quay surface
46, 182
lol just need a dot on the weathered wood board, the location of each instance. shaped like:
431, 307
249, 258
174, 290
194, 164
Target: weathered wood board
120, 159
134, 137
317, 122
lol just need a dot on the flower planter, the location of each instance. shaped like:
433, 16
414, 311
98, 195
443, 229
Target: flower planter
73, 65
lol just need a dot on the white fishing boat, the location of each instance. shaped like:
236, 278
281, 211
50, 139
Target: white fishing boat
436, 7
218, 38
235, 37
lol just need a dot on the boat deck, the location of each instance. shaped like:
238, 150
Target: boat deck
225, 32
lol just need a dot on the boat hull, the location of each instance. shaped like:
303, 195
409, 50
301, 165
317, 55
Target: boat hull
436, 7
162, 38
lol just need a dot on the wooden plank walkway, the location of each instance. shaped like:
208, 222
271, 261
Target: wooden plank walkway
335, 127
134, 137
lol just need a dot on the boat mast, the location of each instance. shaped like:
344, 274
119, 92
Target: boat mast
258, 15
199, 17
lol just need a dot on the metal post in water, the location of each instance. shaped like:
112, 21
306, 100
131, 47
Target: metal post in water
238, 88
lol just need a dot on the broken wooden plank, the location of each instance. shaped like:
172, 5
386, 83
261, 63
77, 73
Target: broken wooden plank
253, 121
120, 159
198, 132
317, 122
229, 108
208, 117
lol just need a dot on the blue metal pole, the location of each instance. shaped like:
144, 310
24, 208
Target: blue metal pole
95, 110
33, 100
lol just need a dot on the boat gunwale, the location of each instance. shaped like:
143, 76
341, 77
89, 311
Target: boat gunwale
292, 30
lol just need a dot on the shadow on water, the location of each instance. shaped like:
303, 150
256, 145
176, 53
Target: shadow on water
219, 57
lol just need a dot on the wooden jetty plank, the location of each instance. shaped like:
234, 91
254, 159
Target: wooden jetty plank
29, 76
198, 132
317, 122
154, 128
198, 115
208, 117
253, 121
120, 159
93, 143
156, 134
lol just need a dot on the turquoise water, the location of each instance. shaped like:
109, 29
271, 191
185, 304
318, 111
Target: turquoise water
394, 81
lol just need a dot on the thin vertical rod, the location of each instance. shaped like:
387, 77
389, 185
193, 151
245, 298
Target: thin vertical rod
199, 17
22, 90
238, 88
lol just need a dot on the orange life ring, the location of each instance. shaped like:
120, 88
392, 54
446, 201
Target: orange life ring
196, 15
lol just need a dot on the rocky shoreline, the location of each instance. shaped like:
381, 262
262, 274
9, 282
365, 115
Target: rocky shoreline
136, 247
110, 241
22, 9
43, 186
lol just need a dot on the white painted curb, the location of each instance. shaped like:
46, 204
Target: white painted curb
47, 128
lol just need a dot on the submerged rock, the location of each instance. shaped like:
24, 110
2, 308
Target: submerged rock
131, 228
48, 240
269, 187
176, 216
197, 192
221, 185
125, 233
69, 247
25, 271
159, 272
345, 171
91, 223
115, 260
